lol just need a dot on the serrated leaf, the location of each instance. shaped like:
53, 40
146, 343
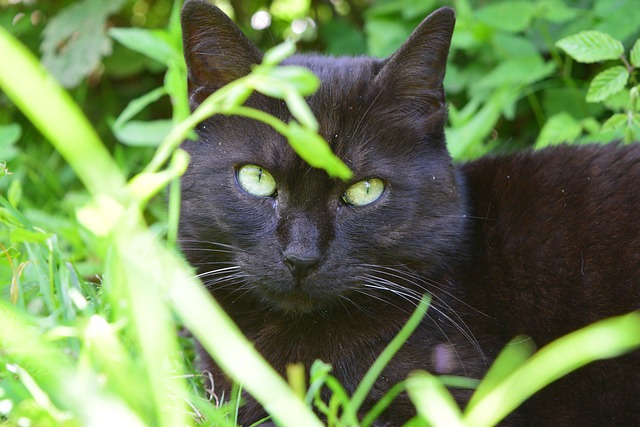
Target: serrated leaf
607, 83
559, 129
591, 46
635, 54
75, 40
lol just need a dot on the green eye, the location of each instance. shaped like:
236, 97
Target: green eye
364, 192
256, 181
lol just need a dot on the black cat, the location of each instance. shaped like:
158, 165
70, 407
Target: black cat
310, 267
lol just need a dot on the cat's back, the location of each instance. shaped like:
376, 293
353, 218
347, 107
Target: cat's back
557, 232
557, 247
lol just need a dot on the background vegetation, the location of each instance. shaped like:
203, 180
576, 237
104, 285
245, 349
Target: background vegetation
510, 84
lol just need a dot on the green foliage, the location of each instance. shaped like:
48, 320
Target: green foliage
75, 40
92, 298
592, 46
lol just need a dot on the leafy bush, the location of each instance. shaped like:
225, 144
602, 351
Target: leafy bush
88, 274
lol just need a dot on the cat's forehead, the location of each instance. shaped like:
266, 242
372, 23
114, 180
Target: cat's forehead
339, 76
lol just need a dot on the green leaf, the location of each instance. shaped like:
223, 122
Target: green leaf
591, 46
635, 54
151, 43
617, 121
518, 351
519, 70
602, 340
279, 53
559, 129
510, 16
301, 111
75, 40
316, 151
433, 401
299, 78
632, 133
9, 135
607, 83
143, 134
556, 11
137, 105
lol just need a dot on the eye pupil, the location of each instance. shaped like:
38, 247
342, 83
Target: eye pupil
256, 181
364, 192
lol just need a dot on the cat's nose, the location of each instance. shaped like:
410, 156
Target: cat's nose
300, 265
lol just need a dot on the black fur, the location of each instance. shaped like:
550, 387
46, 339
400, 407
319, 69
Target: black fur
536, 243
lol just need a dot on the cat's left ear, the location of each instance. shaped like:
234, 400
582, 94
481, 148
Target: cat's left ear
415, 72
215, 50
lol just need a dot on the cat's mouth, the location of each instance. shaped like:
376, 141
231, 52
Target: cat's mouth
296, 301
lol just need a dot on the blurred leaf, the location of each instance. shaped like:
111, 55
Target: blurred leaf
591, 46
154, 44
301, 111
617, 121
385, 35
316, 151
143, 134
75, 40
433, 401
279, 53
510, 16
137, 105
607, 83
9, 135
466, 138
618, 18
343, 38
618, 102
635, 54
556, 11
560, 128
514, 45
299, 79
520, 70
569, 100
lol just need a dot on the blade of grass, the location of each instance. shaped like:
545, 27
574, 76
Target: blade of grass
605, 339
80, 145
383, 360
55, 114
433, 401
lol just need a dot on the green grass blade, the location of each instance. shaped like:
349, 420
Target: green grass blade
433, 401
510, 358
385, 357
53, 112
602, 340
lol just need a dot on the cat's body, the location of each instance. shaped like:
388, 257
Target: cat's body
536, 243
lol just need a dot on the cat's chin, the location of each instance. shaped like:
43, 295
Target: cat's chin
295, 301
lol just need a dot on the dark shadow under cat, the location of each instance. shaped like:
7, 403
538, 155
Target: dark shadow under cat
537, 243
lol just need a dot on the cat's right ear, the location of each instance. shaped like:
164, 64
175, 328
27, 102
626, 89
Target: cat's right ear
215, 50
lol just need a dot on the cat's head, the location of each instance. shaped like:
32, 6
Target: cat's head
262, 225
